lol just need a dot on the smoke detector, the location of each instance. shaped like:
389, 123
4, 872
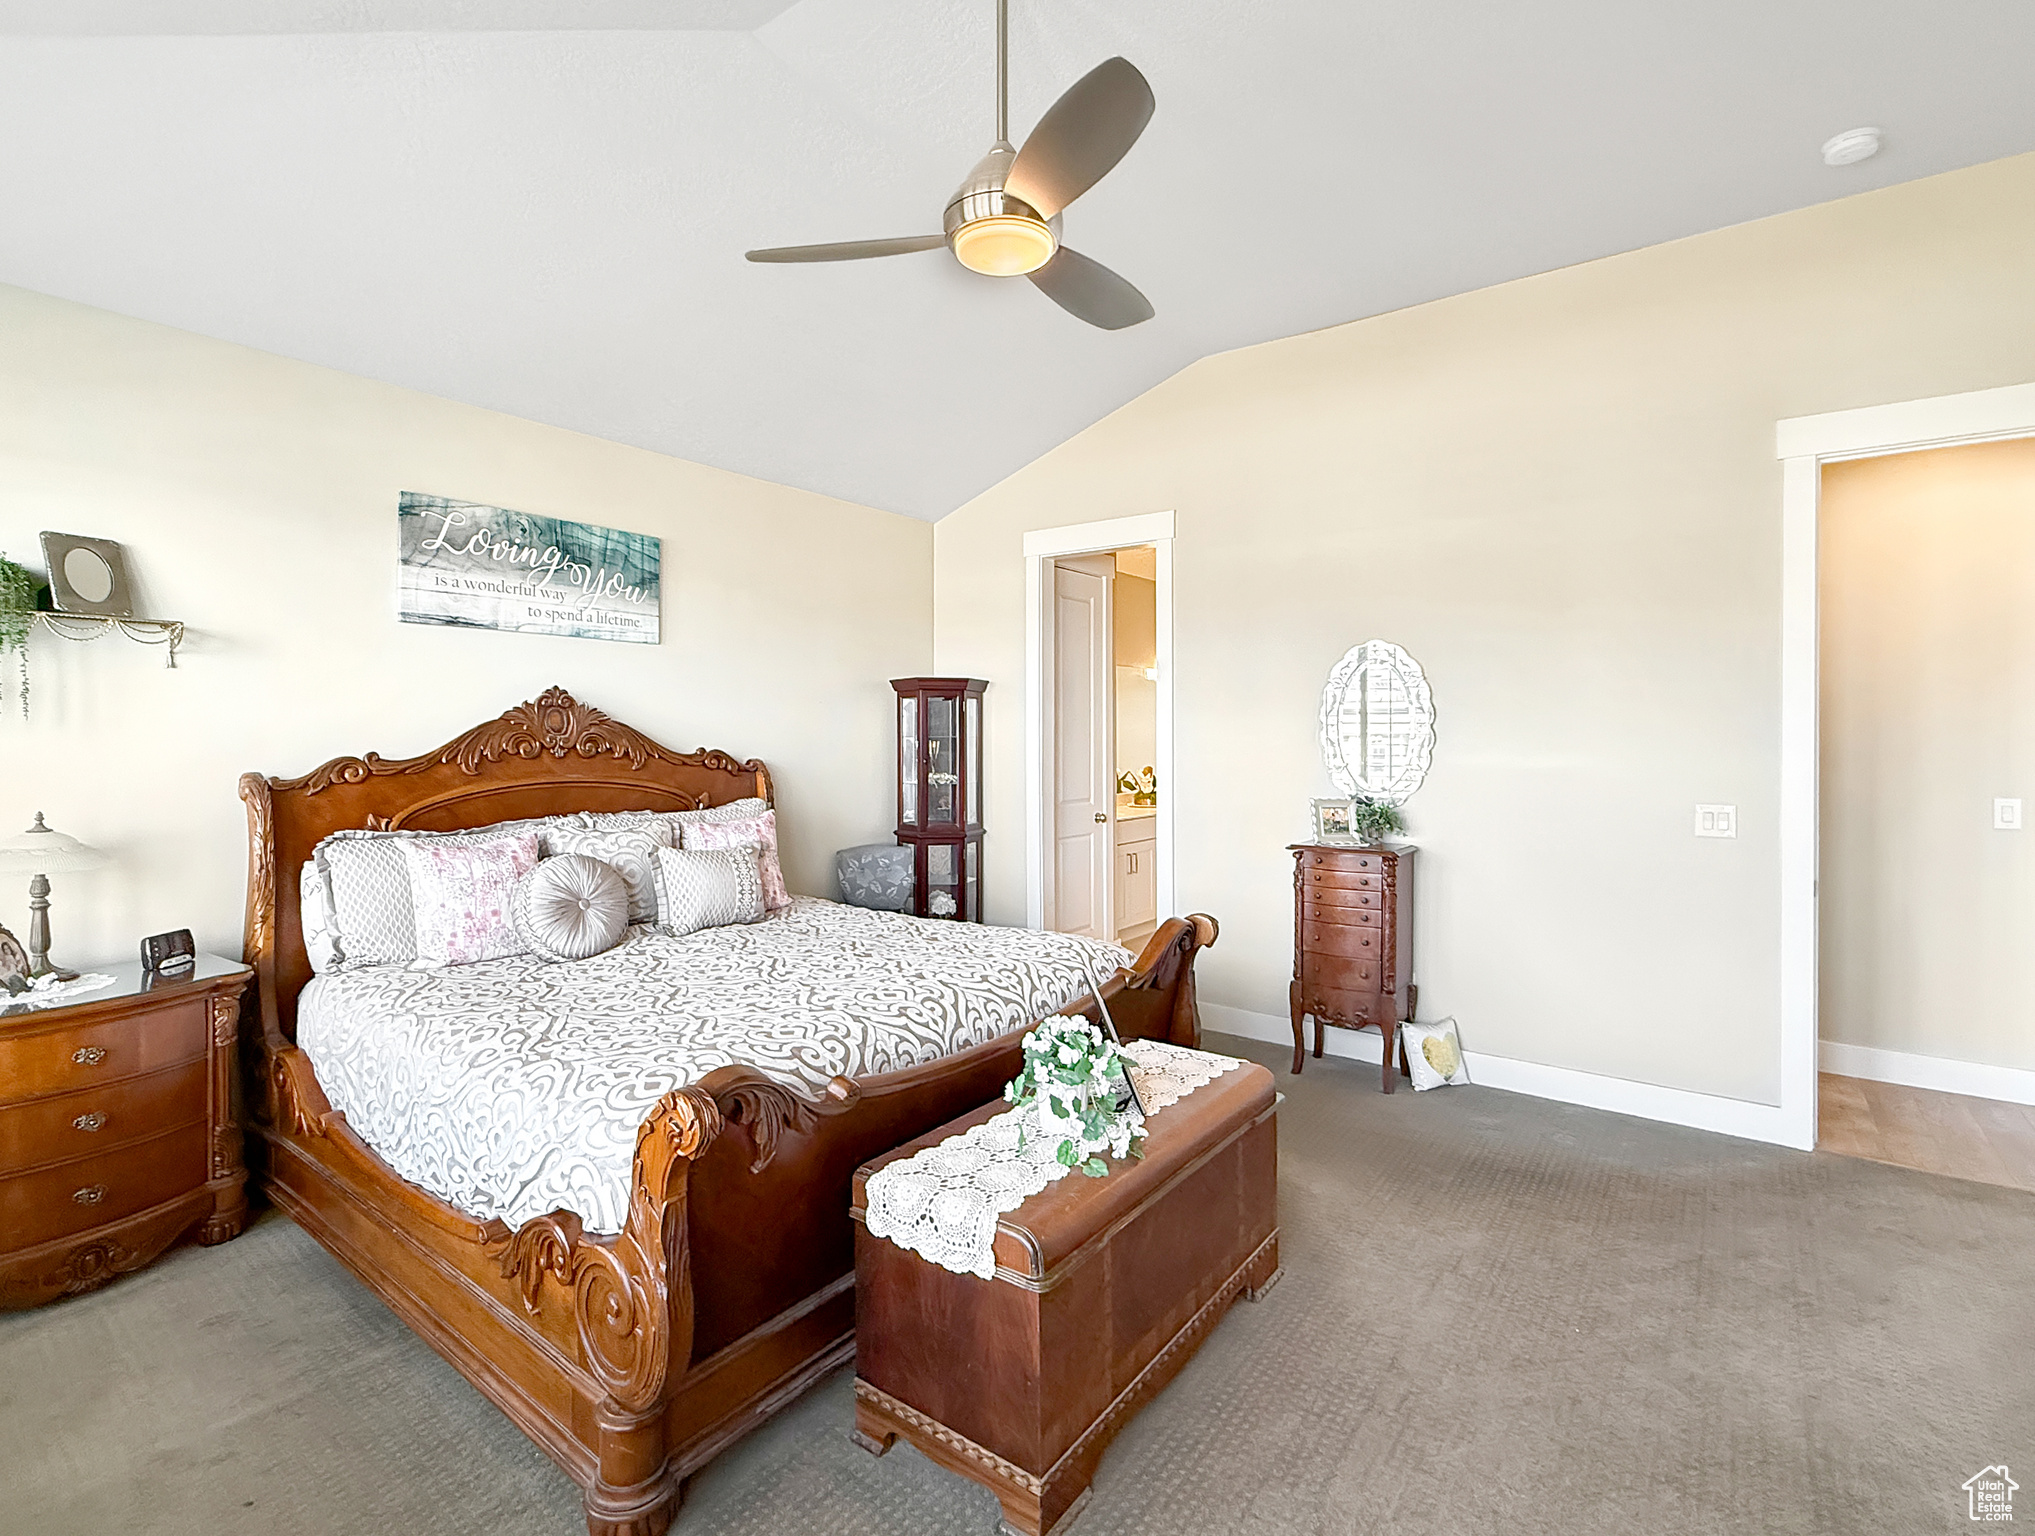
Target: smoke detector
1851, 146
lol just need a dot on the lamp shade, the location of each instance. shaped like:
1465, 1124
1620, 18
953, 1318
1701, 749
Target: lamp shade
43, 850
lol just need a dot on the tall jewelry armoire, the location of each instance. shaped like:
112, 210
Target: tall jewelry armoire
939, 792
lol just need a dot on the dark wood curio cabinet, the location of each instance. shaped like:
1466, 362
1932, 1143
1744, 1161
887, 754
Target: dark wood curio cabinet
939, 792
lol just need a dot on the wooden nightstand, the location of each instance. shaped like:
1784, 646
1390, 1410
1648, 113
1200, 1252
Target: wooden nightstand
118, 1130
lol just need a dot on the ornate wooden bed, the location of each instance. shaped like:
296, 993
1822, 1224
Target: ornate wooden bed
630, 1359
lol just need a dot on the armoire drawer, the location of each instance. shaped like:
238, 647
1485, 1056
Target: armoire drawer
1356, 943
93, 1191
1336, 971
1313, 911
99, 1120
1339, 861
1347, 1005
1340, 880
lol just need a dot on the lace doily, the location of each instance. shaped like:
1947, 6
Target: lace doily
48, 992
943, 1203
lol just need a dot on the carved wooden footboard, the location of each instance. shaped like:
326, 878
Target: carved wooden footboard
633, 1358
630, 1358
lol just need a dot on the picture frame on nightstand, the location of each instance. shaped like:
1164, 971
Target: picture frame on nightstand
1332, 821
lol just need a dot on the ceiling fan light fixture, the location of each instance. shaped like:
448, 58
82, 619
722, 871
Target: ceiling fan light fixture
1004, 245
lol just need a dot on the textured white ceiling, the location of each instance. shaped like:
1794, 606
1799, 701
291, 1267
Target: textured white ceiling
552, 222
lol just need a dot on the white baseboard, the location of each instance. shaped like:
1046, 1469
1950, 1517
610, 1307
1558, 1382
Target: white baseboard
1649, 1101
1974, 1079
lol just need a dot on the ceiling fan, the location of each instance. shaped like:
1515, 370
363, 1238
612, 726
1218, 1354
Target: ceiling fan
1004, 220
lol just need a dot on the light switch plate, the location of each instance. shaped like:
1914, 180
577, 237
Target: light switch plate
2006, 815
1716, 821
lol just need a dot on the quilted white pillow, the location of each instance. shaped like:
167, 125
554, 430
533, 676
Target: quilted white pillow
461, 894
633, 855
571, 907
758, 832
708, 888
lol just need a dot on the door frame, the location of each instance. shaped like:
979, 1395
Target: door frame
1804, 444
1042, 546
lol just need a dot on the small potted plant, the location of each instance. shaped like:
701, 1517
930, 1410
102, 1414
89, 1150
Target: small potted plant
1372, 821
1069, 1092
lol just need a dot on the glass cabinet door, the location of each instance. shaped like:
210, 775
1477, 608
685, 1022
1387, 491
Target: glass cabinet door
942, 880
972, 709
943, 760
971, 890
907, 761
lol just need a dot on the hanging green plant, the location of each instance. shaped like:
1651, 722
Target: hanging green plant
17, 616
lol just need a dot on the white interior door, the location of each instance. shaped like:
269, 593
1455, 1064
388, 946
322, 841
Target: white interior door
1084, 751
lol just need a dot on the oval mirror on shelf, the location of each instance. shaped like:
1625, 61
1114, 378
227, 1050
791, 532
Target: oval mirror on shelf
1377, 723
89, 574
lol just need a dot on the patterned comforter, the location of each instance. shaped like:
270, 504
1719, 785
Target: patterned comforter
514, 1087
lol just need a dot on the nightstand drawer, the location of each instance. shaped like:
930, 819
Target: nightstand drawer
99, 1120
69, 1057
1352, 942
55, 1202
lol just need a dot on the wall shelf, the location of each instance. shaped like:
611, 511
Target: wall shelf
87, 627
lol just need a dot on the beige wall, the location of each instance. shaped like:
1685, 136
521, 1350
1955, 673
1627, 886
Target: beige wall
1928, 679
1561, 495
257, 501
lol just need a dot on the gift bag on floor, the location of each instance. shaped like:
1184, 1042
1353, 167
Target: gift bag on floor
1433, 1054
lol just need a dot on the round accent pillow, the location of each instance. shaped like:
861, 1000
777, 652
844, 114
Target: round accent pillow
570, 907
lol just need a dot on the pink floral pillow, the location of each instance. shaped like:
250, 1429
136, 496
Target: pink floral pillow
461, 894
758, 832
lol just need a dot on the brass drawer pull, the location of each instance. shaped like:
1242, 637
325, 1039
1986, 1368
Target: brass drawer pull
89, 1055
91, 1194
89, 1122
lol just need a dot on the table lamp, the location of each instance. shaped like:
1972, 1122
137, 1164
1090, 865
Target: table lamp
39, 850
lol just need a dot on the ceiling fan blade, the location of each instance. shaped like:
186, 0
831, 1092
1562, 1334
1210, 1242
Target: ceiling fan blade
1091, 127
851, 250
1089, 291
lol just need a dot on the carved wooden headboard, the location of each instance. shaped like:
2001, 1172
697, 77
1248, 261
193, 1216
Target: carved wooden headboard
542, 758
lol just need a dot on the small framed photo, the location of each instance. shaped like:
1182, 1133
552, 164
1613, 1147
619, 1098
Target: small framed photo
87, 576
1332, 822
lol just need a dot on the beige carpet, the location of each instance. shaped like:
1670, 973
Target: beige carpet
1499, 1315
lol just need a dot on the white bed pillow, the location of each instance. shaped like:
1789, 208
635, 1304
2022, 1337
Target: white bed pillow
708, 888
320, 922
461, 893
571, 907
673, 821
369, 887
632, 853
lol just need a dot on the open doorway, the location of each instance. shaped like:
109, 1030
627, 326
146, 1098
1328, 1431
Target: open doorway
1104, 750
1099, 717
1926, 569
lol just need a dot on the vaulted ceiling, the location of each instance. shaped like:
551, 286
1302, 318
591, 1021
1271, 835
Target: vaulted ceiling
541, 206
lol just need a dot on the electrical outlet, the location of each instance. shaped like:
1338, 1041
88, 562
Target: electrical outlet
2006, 815
1716, 821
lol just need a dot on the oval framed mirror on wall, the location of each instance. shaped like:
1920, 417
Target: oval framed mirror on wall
1377, 723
